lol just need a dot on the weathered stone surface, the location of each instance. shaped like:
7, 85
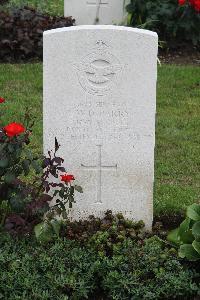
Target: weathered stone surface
100, 103
89, 12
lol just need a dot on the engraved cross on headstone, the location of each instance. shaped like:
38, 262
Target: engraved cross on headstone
99, 168
96, 2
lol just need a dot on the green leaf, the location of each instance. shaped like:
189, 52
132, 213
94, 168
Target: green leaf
61, 193
186, 237
18, 152
26, 166
55, 193
11, 148
72, 191
129, 17
56, 224
196, 246
174, 237
193, 212
185, 233
196, 230
187, 251
64, 214
71, 201
43, 232
36, 166
78, 188
2, 146
184, 226
17, 203
28, 154
60, 203
9, 178
130, 8
4, 163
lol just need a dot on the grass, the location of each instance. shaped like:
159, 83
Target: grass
177, 159
55, 7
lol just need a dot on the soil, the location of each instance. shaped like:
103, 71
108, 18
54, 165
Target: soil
168, 221
182, 55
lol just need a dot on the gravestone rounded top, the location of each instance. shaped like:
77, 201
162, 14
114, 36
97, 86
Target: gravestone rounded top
101, 27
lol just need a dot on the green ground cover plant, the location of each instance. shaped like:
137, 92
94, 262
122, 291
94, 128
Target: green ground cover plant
144, 269
177, 177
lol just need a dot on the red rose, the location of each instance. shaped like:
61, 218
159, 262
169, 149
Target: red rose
2, 100
14, 129
67, 178
195, 4
181, 2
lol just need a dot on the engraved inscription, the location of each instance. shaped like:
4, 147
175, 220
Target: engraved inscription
99, 121
99, 168
99, 71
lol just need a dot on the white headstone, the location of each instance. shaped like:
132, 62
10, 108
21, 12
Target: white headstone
90, 12
100, 103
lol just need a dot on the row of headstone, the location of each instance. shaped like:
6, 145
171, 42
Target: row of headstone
100, 104
93, 12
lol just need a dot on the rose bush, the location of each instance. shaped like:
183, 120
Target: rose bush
175, 21
22, 205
